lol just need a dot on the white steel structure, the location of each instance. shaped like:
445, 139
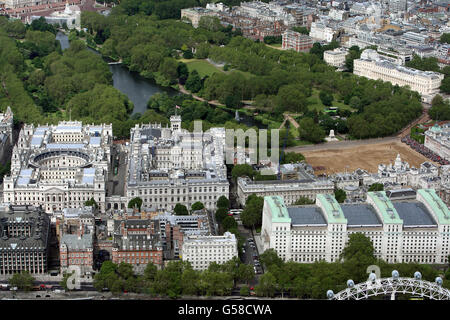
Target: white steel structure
392, 286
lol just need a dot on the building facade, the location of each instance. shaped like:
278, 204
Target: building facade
59, 166
297, 41
12, 4
336, 57
77, 249
24, 242
374, 66
297, 180
437, 139
200, 251
6, 133
194, 15
401, 231
320, 31
137, 242
167, 166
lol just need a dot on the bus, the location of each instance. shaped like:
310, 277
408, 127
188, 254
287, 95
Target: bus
235, 212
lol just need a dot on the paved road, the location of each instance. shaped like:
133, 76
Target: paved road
342, 144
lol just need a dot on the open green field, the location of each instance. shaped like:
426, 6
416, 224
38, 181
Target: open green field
314, 102
203, 67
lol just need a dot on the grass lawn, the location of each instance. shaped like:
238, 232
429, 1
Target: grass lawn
302, 143
275, 46
314, 102
203, 67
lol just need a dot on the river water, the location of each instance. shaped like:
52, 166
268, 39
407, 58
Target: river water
139, 89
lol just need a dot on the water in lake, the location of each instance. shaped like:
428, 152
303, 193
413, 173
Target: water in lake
139, 89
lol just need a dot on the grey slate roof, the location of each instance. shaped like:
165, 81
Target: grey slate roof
360, 214
24, 215
306, 215
72, 242
414, 213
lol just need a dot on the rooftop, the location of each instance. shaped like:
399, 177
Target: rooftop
360, 215
414, 213
307, 215
278, 209
440, 210
385, 207
332, 208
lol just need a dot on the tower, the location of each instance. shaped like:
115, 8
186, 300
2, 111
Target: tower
175, 123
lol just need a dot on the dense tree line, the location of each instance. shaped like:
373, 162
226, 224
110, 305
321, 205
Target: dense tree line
440, 108
176, 279
42, 84
279, 80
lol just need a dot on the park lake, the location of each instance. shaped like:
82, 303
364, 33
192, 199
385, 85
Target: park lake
139, 89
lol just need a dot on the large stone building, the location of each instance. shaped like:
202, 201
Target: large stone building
374, 66
336, 57
297, 41
137, 242
77, 248
6, 134
174, 229
437, 139
12, 4
320, 31
171, 165
24, 242
402, 174
200, 251
401, 231
59, 166
71, 17
297, 180
193, 15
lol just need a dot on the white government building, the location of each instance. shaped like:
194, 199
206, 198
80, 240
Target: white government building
416, 230
59, 166
200, 250
170, 165
297, 180
437, 139
375, 66
336, 57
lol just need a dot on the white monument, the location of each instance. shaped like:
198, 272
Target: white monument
331, 136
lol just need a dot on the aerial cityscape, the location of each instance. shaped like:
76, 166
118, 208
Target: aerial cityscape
192, 150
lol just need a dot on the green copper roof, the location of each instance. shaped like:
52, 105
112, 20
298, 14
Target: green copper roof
436, 128
333, 210
385, 207
278, 209
440, 210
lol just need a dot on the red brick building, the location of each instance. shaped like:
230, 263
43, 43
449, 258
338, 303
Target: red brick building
297, 41
136, 241
76, 249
